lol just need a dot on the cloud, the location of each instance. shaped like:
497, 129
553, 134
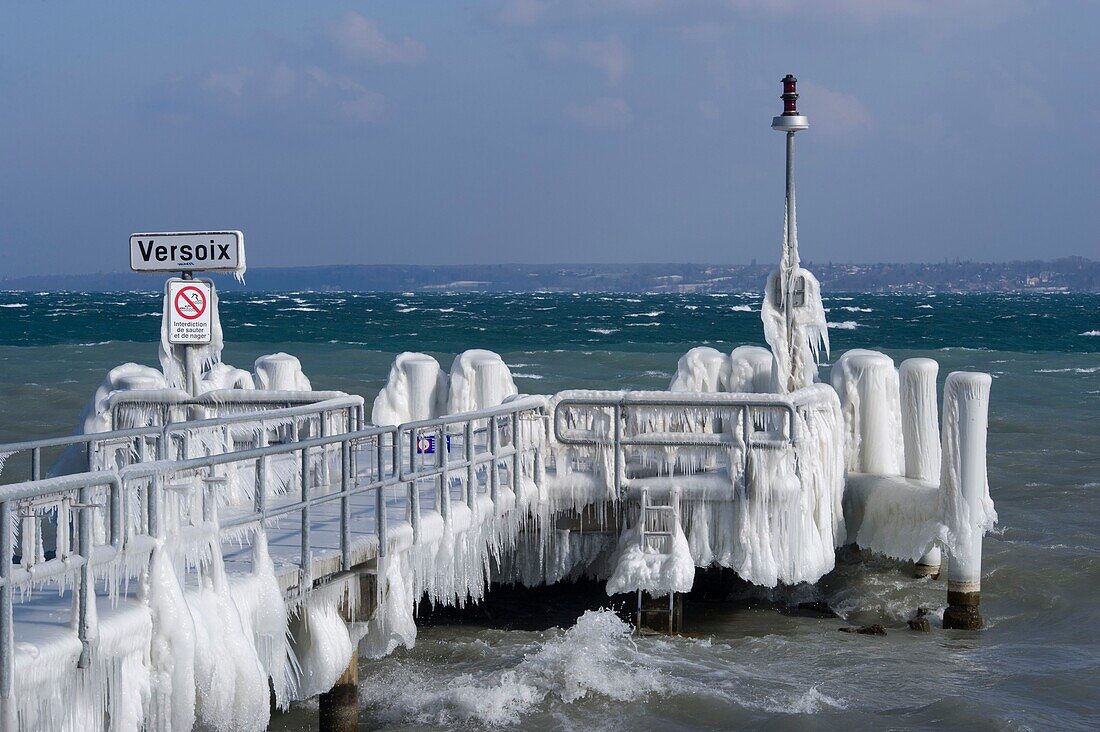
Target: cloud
522, 12
244, 89
605, 113
610, 56
360, 39
877, 11
834, 113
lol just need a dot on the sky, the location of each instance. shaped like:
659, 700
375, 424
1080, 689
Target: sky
542, 131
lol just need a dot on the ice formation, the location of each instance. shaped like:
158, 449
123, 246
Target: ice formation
177, 361
967, 517
280, 372
796, 353
867, 384
919, 415
701, 369
416, 389
657, 567
479, 379
750, 371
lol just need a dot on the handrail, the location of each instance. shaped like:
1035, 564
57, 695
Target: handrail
330, 403
679, 400
134, 533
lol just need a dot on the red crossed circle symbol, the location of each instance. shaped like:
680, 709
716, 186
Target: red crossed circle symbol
193, 298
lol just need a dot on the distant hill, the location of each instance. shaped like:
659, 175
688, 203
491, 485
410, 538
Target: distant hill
1074, 274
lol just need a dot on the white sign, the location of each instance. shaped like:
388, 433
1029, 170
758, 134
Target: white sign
210, 251
188, 311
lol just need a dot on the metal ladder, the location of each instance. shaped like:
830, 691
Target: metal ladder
662, 519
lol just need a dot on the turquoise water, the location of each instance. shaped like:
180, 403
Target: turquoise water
751, 664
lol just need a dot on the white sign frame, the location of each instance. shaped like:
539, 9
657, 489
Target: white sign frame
182, 251
185, 326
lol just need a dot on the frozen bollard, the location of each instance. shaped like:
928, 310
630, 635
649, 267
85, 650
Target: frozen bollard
969, 509
867, 385
921, 435
750, 371
424, 377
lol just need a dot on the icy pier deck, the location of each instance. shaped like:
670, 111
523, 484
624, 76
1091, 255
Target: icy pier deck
198, 563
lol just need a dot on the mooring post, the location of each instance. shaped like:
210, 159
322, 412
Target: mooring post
921, 434
339, 706
966, 419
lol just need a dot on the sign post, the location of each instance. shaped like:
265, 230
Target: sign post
189, 303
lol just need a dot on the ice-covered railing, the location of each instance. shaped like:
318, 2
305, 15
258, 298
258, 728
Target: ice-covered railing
140, 407
183, 509
761, 476
510, 432
654, 426
153, 410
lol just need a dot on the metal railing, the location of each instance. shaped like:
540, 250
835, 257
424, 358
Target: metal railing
147, 441
752, 421
135, 498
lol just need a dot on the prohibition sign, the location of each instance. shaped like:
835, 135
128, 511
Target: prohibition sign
190, 303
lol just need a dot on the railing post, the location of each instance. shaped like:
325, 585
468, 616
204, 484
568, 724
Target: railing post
380, 502
444, 486
86, 587
414, 491
307, 555
325, 475
617, 413
517, 465
7, 634
471, 469
494, 477
345, 504
152, 505
36, 463
260, 491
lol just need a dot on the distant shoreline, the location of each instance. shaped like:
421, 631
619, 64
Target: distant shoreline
1072, 274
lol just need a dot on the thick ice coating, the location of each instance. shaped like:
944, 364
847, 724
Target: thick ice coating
750, 371
796, 353
416, 389
479, 379
920, 419
867, 385
701, 369
174, 358
280, 372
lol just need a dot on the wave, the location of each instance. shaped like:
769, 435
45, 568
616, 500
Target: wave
595, 659
14, 305
846, 325
603, 331
743, 308
1091, 333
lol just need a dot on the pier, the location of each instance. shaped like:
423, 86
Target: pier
215, 543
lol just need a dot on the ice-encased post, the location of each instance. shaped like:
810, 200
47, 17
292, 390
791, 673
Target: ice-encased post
921, 435
963, 478
789, 123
